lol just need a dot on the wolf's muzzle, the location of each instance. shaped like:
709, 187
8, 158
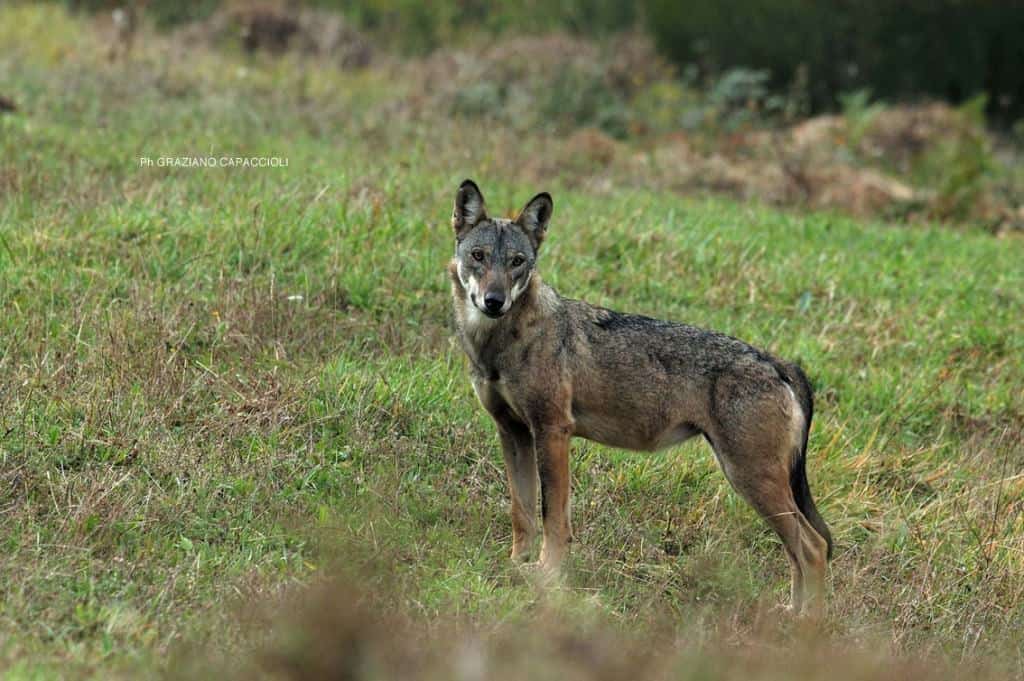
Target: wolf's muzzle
493, 303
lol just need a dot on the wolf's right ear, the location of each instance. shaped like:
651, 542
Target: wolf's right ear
469, 208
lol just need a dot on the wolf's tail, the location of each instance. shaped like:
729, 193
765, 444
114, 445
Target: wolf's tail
798, 472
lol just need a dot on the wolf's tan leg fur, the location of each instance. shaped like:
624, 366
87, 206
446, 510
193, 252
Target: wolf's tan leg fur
806, 550
553, 464
521, 468
770, 495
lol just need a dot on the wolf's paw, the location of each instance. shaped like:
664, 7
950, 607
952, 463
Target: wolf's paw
520, 554
809, 613
541, 574
782, 612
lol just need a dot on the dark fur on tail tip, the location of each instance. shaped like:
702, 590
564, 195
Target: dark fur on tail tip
798, 473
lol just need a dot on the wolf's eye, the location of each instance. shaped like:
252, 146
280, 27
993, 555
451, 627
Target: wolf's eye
477, 254
518, 260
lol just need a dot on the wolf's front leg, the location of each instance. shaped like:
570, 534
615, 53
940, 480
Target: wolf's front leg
553, 464
521, 468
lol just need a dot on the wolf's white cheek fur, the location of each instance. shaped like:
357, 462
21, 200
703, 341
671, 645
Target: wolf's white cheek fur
518, 288
476, 321
471, 285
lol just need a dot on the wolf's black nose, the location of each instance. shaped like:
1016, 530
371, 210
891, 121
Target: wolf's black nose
494, 302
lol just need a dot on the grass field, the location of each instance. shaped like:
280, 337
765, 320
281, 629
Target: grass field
221, 386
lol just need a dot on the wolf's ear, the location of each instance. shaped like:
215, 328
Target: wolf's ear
534, 217
469, 208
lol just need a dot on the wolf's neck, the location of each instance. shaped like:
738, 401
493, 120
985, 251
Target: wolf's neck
477, 326
543, 299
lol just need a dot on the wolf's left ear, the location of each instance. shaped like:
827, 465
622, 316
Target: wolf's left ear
534, 217
469, 208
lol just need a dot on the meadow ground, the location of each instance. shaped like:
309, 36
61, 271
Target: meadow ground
228, 393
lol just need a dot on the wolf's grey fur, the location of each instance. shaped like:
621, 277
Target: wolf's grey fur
548, 368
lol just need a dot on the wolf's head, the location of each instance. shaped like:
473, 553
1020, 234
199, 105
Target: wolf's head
495, 257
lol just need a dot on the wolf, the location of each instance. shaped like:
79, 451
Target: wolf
548, 368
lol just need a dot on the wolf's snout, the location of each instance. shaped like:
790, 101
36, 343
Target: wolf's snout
493, 302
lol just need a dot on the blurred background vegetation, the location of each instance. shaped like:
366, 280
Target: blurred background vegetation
948, 49
903, 110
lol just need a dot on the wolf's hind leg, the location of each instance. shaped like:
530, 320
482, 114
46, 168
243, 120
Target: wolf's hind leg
758, 436
805, 548
758, 458
763, 480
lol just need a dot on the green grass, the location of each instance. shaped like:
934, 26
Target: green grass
216, 385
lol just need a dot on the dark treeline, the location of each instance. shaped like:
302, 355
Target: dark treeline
899, 49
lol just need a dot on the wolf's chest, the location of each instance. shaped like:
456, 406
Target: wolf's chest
497, 395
